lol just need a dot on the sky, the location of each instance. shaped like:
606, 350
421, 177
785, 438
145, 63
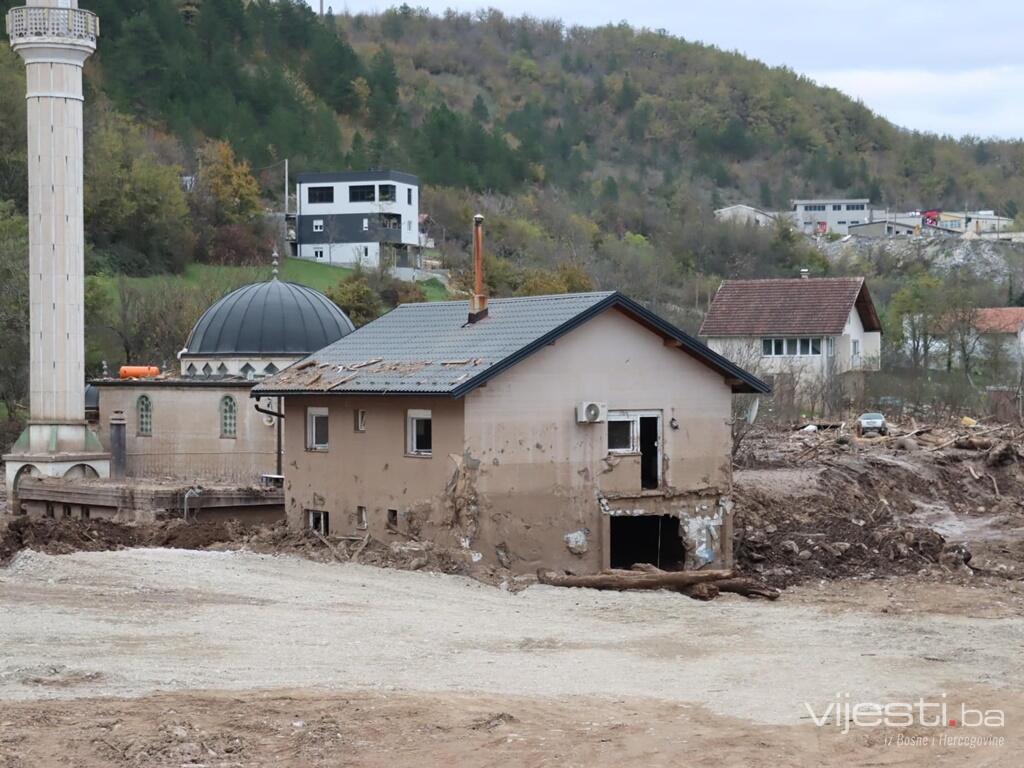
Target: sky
946, 67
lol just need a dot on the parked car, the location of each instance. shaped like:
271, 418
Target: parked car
872, 422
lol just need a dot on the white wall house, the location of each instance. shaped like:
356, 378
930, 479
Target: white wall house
351, 218
809, 329
830, 215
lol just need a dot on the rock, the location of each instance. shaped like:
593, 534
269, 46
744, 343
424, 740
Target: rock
790, 546
907, 444
771, 528
841, 546
805, 554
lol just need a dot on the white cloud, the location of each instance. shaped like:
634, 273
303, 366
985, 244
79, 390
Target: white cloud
984, 102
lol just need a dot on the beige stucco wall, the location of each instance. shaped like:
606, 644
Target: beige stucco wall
542, 473
186, 441
512, 472
371, 468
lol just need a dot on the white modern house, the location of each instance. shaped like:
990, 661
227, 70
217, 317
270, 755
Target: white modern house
805, 331
358, 218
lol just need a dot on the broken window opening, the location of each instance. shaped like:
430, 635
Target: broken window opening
650, 453
393, 518
653, 539
361, 519
360, 420
318, 521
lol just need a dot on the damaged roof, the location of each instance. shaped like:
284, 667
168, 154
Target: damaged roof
801, 306
431, 349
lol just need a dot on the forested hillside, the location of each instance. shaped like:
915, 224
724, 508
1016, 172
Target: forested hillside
597, 154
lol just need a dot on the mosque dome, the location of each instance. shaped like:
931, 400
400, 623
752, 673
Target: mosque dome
272, 319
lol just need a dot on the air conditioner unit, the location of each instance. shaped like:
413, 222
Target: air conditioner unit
591, 413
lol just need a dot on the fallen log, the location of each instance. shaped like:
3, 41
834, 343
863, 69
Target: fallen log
633, 579
706, 590
747, 588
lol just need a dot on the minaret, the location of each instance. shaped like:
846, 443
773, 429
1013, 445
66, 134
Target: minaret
54, 38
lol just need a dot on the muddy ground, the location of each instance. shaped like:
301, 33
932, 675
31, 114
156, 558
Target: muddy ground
902, 568
232, 658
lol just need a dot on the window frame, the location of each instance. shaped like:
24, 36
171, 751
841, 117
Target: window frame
318, 225
327, 192
633, 420
362, 518
228, 410
318, 253
412, 416
389, 196
144, 422
367, 193
359, 420
312, 414
792, 346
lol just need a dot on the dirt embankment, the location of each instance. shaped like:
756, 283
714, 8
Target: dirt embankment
864, 511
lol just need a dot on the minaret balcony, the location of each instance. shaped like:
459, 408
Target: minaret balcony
28, 22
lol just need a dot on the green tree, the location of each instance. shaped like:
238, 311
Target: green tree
14, 314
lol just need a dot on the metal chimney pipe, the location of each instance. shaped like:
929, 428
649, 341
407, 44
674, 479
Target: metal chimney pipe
118, 445
478, 303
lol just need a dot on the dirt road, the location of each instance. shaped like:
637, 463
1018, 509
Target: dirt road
380, 665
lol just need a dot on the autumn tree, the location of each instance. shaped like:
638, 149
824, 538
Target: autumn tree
226, 191
357, 299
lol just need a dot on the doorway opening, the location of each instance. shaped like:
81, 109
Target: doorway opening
650, 452
650, 539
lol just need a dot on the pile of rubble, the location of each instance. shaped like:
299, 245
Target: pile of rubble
863, 507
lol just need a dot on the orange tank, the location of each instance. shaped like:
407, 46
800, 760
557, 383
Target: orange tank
139, 371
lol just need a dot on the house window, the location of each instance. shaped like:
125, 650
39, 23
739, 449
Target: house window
316, 429
359, 418
387, 193
362, 193
318, 521
191, 370
361, 520
321, 194
318, 253
621, 433
270, 370
408, 196
366, 225
144, 412
318, 225
207, 370
419, 431
228, 417
248, 371
837, 207
790, 347
855, 347
222, 370
85, 513
392, 518
830, 345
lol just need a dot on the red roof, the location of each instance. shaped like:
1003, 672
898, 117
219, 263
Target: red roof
999, 319
817, 305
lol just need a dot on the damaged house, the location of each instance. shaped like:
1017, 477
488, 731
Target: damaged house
574, 431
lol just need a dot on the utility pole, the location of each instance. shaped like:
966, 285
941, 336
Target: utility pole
286, 189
